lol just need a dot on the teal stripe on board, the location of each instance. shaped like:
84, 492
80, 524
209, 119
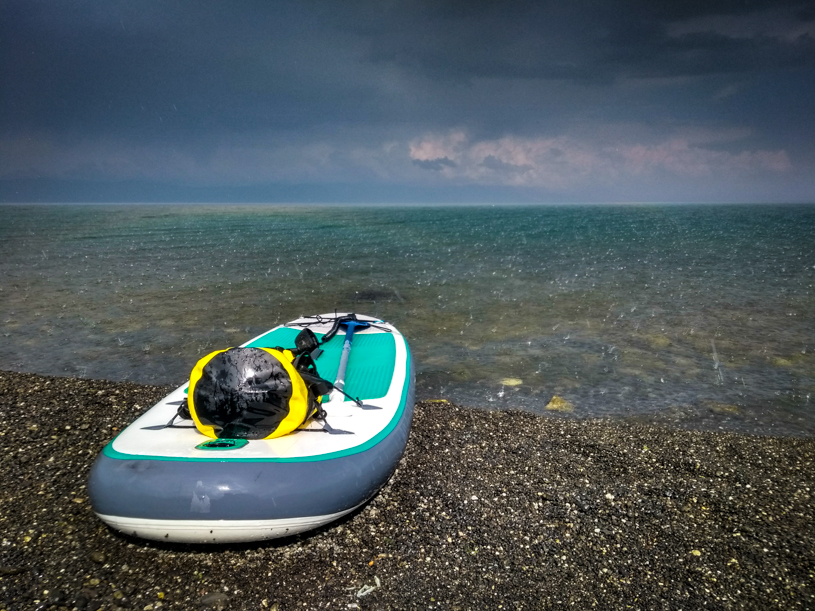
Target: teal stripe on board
370, 366
282, 336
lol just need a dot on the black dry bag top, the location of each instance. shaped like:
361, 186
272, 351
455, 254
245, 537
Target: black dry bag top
249, 393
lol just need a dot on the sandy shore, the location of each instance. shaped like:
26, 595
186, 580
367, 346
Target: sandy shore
488, 510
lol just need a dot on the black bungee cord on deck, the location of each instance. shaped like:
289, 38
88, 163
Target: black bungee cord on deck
337, 321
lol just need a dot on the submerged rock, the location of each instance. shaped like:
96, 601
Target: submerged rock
559, 404
512, 381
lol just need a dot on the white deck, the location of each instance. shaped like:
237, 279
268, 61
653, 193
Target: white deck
179, 443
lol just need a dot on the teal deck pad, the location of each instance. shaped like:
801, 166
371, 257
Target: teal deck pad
370, 366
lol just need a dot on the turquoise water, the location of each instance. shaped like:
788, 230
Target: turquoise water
699, 316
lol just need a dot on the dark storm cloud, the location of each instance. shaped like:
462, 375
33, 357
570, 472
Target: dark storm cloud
165, 67
247, 92
688, 9
581, 41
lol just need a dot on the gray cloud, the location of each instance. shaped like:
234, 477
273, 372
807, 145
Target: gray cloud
491, 162
437, 164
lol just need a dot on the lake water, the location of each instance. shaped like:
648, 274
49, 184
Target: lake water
695, 316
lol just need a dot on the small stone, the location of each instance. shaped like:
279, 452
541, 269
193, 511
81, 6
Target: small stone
696, 552
216, 601
512, 381
722, 408
97, 557
83, 599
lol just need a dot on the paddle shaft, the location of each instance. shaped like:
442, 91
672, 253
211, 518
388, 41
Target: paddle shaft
346, 351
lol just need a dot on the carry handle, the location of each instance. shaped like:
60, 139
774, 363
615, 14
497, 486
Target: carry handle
336, 327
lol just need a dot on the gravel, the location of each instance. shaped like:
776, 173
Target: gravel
487, 510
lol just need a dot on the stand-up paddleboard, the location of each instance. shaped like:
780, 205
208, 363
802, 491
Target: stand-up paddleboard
171, 483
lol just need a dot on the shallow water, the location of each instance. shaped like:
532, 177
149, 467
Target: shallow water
699, 316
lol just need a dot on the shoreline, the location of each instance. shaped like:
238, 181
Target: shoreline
487, 508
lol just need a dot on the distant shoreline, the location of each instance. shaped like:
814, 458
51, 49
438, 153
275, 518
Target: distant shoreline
397, 203
486, 509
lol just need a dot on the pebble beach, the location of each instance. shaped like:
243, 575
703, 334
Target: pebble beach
487, 510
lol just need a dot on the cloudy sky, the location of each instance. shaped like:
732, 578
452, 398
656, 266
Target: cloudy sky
704, 100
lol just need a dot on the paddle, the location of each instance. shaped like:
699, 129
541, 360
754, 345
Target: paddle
350, 326
307, 343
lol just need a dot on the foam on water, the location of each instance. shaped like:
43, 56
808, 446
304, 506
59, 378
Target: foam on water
700, 316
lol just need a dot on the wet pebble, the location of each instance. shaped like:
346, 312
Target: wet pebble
82, 599
97, 557
216, 601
